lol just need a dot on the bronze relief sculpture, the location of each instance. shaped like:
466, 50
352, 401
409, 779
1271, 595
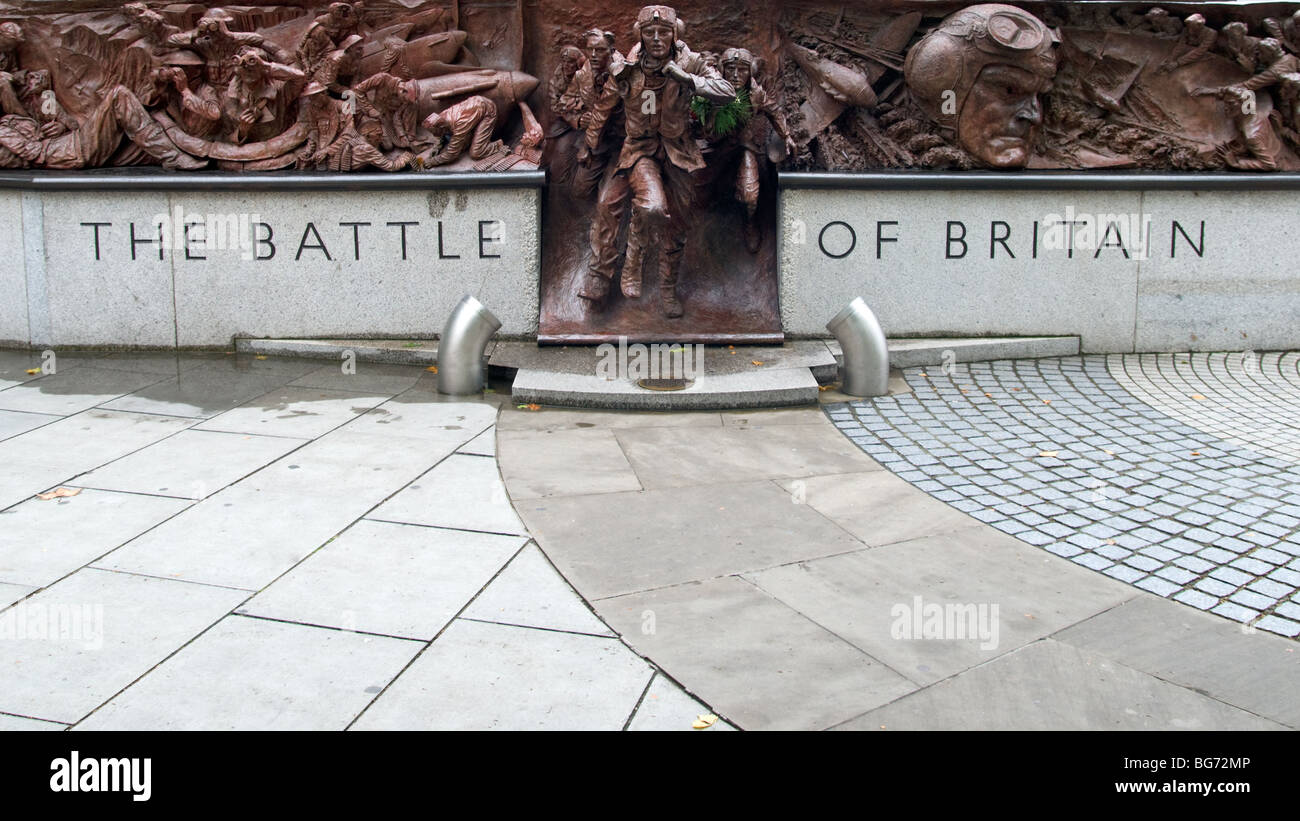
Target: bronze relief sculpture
343, 88
661, 128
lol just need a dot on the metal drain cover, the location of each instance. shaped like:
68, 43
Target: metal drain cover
665, 384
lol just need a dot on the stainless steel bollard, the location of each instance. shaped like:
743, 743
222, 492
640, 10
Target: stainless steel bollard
865, 371
460, 351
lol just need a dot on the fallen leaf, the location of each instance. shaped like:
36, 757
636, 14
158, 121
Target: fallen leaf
1196, 453
1197, 396
1047, 401
1015, 389
1048, 453
59, 493
988, 394
1108, 452
432, 369
260, 356
33, 371
1110, 541
756, 362
704, 722
823, 387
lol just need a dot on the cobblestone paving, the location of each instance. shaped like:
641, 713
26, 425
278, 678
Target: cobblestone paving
1057, 453
1249, 399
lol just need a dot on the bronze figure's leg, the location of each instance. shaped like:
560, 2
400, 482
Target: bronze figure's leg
747, 186
680, 187
120, 112
610, 208
649, 209
482, 143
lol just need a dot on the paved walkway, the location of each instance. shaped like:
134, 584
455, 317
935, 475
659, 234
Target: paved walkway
265, 543
275, 544
1131, 476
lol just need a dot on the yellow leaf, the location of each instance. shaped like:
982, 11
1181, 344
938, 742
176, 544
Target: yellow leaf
33, 371
704, 722
59, 493
823, 387
260, 356
1048, 453
755, 362
1197, 396
432, 369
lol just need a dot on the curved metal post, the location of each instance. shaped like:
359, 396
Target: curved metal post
460, 351
865, 371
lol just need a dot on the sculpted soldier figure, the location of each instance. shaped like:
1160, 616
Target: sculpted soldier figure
213, 39
467, 124
600, 119
326, 33
751, 139
656, 83
1199, 40
254, 95
23, 143
392, 102
979, 75
151, 25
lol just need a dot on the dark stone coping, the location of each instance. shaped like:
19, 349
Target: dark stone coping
126, 179
1042, 181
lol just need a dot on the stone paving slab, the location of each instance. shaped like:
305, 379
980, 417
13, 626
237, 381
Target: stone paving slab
390, 579
72, 391
549, 463
485, 444
877, 507
199, 393
611, 544
10, 593
144, 620
87, 440
193, 464
882, 600
298, 412
665, 458
757, 388
41, 541
252, 674
22, 480
463, 492
765, 417
1052, 685
492, 676
242, 537
529, 592
13, 423
14, 366
19, 724
667, 707
364, 377
734, 645
144, 362
1248, 669
547, 419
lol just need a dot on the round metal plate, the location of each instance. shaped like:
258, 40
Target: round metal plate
665, 384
